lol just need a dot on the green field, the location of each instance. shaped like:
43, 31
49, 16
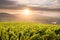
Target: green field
29, 31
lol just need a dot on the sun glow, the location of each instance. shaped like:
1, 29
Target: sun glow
26, 12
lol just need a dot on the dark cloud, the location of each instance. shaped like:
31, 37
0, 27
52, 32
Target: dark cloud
7, 4
51, 4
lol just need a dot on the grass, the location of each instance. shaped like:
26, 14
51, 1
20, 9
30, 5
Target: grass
28, 31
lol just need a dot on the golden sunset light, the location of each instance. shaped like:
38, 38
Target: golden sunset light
26, 12
29, 19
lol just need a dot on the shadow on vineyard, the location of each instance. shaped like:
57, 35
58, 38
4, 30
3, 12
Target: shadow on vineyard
29, 31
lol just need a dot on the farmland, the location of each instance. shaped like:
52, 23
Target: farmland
29, 31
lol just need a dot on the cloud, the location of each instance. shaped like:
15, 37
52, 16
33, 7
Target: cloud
52, 4
7, 4
46, 3
21, 1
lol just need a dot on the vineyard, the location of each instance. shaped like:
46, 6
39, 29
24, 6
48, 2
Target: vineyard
29, 31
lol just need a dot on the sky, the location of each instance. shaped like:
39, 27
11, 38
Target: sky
39, 3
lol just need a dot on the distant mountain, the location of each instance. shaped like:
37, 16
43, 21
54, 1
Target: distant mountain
7, 17
46, 19
39, 19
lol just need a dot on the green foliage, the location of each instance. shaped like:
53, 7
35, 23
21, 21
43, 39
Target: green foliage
29, 31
